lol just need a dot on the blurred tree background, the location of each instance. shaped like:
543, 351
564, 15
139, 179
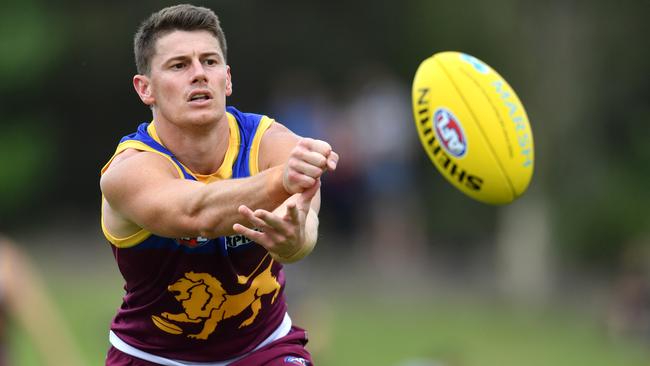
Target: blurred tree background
580, 68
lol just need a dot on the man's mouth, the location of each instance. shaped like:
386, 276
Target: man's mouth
200, 97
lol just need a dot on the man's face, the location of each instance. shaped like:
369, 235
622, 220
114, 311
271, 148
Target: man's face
189, 79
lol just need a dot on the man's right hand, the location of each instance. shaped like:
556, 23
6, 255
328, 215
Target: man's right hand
307, 162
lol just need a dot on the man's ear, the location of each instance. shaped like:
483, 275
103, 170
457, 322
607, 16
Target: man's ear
142, 86
228, 81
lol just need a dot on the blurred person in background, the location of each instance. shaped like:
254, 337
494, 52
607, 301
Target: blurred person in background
24, 299
201, 252
378, 117
307, 107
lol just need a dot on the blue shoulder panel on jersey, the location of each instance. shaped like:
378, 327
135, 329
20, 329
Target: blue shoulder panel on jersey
143, 136
248, 123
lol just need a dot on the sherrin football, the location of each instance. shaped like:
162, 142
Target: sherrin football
473, 127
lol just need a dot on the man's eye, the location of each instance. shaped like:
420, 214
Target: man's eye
210, 62
178, 66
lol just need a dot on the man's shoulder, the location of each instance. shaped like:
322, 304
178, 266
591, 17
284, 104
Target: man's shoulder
133, 160
276, 144
278, 130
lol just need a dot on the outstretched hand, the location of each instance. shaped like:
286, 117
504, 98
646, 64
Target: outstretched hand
282, 232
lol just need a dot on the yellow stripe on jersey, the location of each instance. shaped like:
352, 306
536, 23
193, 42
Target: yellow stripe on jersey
137, 145
140, 236
225, 170
129, 241
253, 158
234, 144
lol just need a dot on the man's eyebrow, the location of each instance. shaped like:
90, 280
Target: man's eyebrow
211, 53
186, 57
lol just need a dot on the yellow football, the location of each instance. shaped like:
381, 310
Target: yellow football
473, 127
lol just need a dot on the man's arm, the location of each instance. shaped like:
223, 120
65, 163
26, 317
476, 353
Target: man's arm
290, 232
143, 190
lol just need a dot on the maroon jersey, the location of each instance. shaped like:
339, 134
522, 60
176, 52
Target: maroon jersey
198, 299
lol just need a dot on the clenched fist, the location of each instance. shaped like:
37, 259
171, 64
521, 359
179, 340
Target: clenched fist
307, 163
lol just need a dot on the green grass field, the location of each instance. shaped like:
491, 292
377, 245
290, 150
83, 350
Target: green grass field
361, 329
469, 333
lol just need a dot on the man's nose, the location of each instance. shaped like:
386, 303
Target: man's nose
199, 74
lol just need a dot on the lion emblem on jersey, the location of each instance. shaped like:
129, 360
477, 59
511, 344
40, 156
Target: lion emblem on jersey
204, 301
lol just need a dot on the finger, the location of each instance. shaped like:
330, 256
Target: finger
261, 224
273, 221
306, 168
318, 146
332, 160
296, 179
267, 238
256, 236
250, 216
314, 158
245, 211
305, 197
292, 212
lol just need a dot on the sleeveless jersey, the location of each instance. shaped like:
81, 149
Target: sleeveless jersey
198, 299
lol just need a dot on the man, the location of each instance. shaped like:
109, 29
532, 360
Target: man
202, 206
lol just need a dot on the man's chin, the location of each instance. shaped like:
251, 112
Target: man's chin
204, 117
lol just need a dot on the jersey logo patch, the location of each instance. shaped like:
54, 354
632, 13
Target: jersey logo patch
193, 242
233, 241
205, 303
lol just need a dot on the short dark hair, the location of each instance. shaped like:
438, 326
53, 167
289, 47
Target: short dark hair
178, 17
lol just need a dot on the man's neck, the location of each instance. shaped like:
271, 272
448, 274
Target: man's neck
201, 148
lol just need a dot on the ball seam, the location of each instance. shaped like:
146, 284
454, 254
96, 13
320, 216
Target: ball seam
487, 141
